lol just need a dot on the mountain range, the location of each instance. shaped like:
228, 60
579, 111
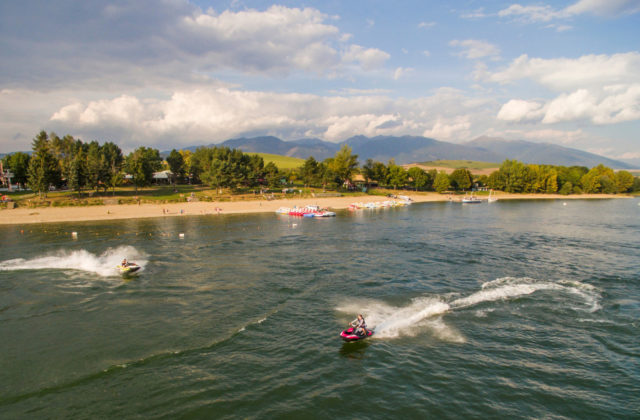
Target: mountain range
411, 149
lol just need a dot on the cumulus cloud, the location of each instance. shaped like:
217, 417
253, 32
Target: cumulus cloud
517, 110
211, 115
448, 128
566, 73
474, 49
143, 42
603, 89
368, 58
613, 108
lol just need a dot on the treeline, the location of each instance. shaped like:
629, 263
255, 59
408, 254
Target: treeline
58, 161
517, 177
65, 161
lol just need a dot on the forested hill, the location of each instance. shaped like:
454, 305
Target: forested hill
410, 149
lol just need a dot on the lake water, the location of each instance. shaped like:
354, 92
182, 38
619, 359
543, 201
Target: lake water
523, 309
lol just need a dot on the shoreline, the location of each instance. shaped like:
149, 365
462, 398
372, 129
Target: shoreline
20, 216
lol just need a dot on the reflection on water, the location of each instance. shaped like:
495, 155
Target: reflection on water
354, 350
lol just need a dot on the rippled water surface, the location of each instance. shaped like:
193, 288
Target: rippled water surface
525, 309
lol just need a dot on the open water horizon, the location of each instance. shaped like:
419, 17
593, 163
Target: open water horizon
520, 309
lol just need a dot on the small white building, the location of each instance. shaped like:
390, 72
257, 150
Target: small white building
163, 176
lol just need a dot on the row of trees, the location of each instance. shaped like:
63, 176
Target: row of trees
67, 161
517, 177
59, 161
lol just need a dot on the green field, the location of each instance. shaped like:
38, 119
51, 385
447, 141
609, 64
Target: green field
454, 164
282, 162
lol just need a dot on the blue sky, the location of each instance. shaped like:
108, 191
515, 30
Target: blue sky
176, 73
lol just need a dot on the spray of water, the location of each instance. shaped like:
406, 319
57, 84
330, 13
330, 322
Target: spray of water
103, 264
427, 312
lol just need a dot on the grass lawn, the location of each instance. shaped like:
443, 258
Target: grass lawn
282, 162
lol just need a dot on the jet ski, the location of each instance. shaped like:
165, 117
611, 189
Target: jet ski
350, 335
129, 268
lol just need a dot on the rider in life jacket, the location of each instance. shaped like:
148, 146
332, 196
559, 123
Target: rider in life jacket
360, 325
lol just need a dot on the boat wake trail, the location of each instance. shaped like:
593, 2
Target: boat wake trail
103, 264
427, 312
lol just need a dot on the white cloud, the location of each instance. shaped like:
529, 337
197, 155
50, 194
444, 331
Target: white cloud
606, 109
172, 43
517, 110
475, 14
602, 89
426, 53
544, 135
546, 13
565, 73
121, 110
368, 58
448, 128
604, 7
629, 155
528, 14
211, 115
474, 49
400, 72
426, 25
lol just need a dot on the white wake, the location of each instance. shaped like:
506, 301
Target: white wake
103, 264
427, 312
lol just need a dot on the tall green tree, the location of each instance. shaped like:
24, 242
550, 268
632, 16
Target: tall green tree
368, 171
96, 166
113, 161
176, 164
309, 172
514, 176
419, 178
76, 169
442, 182
141, 164
43, 167
272, 175
397, 176
343, 163
598, 179
461, 179
624, 181
380, 173
19, 164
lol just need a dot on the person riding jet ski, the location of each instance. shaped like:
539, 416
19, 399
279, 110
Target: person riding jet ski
359, 325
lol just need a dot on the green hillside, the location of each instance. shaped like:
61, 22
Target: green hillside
282, 162
454, 164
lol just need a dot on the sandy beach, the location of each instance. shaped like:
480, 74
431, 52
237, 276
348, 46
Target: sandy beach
114, 212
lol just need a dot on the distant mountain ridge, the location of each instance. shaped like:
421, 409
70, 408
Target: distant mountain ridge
544, 153
410, 149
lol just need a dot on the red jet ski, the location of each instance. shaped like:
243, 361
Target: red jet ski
350, 335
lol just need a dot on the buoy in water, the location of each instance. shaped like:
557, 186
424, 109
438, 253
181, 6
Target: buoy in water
74, 235
564, 204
